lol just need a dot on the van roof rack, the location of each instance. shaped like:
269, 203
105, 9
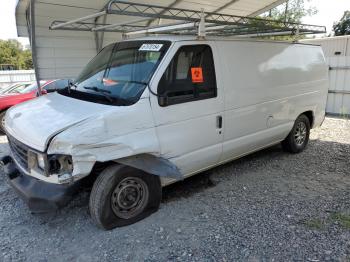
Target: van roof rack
188, 22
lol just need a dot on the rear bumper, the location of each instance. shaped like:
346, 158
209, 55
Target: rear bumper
40, 196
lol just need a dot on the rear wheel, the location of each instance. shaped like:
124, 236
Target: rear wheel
2, 121
298, 138
123, 195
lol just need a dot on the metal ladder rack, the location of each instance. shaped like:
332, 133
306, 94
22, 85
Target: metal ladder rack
188, 22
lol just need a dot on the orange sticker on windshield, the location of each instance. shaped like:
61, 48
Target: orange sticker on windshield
197, 75
109, 82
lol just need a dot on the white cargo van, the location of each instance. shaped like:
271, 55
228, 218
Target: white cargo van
145, 113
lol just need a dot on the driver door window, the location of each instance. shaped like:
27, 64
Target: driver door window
190, 76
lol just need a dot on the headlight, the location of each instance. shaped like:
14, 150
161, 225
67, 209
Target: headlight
36, 161
40, 161
50, 164
60, 164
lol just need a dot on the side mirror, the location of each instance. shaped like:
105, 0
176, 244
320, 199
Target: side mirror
163, 100
43, 92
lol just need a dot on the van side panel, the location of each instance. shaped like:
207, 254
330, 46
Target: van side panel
267, 85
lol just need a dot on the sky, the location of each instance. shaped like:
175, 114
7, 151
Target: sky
8, 22
329, 11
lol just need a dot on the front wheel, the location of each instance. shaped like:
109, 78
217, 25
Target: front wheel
298, 138
2, 121
123, 195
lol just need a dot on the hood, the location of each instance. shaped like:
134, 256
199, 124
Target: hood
36, 121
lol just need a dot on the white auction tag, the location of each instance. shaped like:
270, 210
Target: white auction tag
150, 47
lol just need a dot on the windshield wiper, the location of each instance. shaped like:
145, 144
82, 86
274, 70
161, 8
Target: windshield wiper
132, 81
70, 84
96, 89
102, 91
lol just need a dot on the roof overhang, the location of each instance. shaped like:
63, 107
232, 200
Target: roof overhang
62, 53
51, 10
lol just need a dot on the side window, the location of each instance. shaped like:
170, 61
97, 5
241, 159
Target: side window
190, 76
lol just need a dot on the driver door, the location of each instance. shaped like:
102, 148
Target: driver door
189, 107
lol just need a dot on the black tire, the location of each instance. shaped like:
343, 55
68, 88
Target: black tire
103, 196
2, 118
293, 142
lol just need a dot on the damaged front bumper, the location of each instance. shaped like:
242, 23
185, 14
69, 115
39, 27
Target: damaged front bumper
40, 196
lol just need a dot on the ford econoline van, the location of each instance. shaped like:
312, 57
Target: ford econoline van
148, 112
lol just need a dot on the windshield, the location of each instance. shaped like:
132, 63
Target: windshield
119, 74
31, 88
18, 88
8, 88
15, 88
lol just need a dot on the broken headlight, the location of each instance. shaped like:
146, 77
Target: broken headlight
50, 164
60, 164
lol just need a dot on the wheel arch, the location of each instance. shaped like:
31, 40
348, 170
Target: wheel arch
148, 163
151, 164
310, 115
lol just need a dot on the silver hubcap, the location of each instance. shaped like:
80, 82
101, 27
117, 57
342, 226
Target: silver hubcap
130, 197
300, 133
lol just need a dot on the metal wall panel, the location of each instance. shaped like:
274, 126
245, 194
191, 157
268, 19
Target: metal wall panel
13, 76
337, 53
61, 54
339, 91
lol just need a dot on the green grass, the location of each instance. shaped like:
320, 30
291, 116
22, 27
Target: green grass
314, 224
343, 219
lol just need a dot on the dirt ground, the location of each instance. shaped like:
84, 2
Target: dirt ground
269, 206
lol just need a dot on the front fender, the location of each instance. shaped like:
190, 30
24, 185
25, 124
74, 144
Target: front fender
116, 134
86, 154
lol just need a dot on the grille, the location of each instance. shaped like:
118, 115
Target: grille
19, 152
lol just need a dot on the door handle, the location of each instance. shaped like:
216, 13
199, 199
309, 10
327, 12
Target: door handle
219, 122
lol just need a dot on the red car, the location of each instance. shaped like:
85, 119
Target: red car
30, 92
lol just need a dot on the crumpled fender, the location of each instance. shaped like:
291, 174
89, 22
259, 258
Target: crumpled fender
127, 136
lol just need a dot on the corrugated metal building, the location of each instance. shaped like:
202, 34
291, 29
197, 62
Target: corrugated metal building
337, 53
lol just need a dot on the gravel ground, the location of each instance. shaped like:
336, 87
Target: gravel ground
269, 206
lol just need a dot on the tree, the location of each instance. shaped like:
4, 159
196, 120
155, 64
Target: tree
12, 52
293, 11
343, 26
27, 59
